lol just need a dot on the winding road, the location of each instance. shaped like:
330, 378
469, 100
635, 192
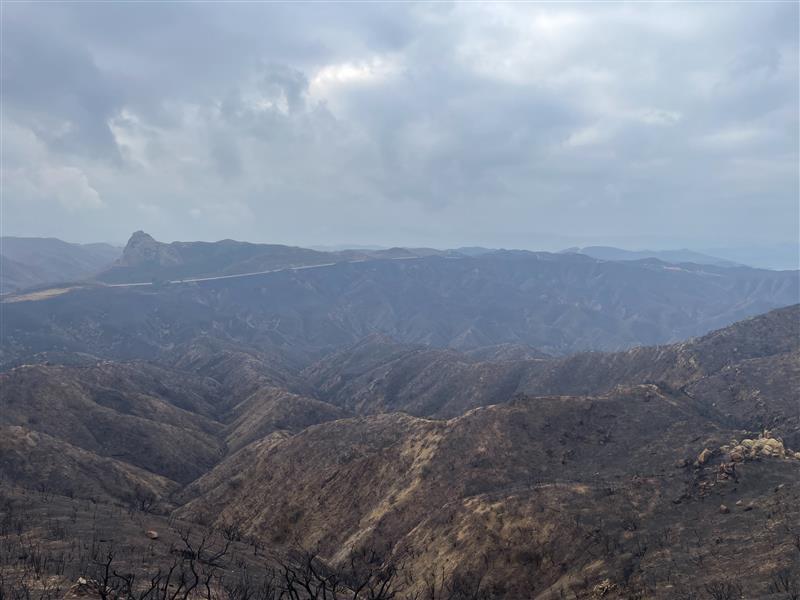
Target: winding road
254, 273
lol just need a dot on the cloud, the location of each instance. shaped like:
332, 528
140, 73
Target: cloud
332, 79
732, 138
68, 186
434, 124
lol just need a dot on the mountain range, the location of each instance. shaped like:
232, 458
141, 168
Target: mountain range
502, 425
35, 262
555, 303
670, 256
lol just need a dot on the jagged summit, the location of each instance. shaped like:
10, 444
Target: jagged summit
140, 235
143, 249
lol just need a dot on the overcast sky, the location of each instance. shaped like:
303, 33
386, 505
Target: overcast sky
526, 125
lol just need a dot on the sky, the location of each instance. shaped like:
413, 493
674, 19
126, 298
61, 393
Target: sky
539, 125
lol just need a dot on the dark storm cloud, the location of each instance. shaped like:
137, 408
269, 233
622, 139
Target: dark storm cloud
45, 78
515, 125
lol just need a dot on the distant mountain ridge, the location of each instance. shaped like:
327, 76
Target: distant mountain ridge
28, 262
780, 256
556, 303
33, 262
144, 259
671, 256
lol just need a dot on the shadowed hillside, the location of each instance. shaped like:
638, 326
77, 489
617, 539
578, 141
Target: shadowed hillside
153, 419
378, 374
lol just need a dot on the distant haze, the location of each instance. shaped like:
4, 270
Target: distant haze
538, 126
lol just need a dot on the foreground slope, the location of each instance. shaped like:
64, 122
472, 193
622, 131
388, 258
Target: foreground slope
646, 473
37, 461
538, 493
145, 416
549, 494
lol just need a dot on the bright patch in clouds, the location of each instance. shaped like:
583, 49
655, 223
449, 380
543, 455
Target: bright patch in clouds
331, 77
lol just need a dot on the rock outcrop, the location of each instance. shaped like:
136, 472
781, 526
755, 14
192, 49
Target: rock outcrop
765, 446
142, 249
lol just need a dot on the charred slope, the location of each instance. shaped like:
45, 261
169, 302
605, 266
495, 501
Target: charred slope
567, 492
270, 410
140, 427
239, 369
154, 419
38, 461
538, 494
378, 375
756, 394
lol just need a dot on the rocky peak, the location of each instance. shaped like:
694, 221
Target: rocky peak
143, 249
140, 237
